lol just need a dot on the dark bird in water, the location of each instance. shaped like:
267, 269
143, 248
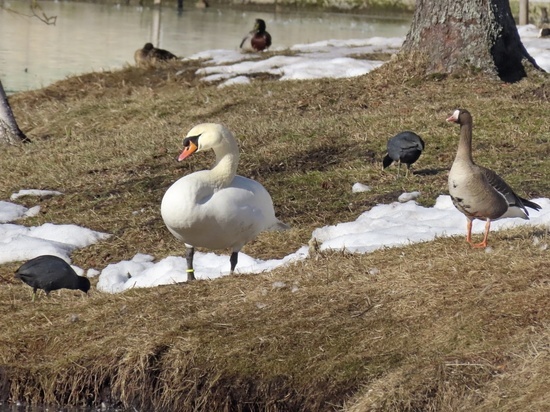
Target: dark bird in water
49, 273
404, 147
149, 55
258, 39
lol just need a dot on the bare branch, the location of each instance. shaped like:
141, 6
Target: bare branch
36, 12
36, 9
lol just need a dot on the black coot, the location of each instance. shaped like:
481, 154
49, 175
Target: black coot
49, 273
404, 147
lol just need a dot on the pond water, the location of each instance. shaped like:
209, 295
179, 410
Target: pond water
91, 37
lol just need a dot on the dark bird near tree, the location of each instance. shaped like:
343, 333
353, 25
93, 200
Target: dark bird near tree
149, 55
49, 273
404, 147
258, 39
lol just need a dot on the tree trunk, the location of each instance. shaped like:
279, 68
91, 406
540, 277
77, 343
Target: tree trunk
9, 130
453, 35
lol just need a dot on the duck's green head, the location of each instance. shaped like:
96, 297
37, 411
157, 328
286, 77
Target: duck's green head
259, 25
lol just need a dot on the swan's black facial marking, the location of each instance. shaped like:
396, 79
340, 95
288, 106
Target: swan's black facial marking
190, 146
191, 139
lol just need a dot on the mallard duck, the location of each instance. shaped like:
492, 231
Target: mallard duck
478, 192
49, 273
149, 55
258, 39
405, 147
216, 209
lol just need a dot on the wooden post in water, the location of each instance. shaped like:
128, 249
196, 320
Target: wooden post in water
155, 26
523, 12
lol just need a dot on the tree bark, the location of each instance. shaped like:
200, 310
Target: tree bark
9, 130
454, 35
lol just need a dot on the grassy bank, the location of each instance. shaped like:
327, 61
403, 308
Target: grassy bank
437, 326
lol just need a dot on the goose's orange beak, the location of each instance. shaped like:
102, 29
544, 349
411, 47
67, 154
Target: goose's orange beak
187, 151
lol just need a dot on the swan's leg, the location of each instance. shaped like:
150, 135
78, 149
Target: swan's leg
233, 261
189, 257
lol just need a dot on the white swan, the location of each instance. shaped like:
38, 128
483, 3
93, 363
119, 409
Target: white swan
214, 208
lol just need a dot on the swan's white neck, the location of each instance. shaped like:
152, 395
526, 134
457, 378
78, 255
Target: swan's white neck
225, 168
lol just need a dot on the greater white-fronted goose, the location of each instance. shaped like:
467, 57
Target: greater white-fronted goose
478, 192
405, 147
258, 39
216, 209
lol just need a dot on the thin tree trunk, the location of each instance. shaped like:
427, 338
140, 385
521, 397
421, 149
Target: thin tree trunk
9, 130
454, 35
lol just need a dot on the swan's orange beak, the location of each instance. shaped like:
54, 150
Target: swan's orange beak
188, 151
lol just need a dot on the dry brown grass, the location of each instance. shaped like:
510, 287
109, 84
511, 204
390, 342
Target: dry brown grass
440, 327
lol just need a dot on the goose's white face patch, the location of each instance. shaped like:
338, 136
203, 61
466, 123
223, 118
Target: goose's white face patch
454, 117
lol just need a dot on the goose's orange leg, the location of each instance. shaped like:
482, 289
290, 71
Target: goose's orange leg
469, 230
483, 244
